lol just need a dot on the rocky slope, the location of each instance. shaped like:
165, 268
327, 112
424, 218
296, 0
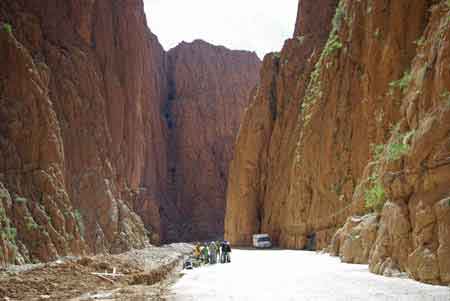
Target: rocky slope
361, 126
209, 90
84, 141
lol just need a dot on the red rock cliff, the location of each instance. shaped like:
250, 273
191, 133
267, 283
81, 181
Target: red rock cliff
209, 90
361, 127
87, 162
83, 85
260, 172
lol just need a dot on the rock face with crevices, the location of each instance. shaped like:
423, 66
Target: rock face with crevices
209, 89
81, 94
261, 172
86, 145
361, 127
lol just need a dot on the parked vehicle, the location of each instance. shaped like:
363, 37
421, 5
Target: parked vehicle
262, 241
188, 265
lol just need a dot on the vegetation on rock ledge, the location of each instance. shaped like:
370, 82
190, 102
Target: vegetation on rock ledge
7, 27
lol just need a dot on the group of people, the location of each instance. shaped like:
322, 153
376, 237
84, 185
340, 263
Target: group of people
213, 252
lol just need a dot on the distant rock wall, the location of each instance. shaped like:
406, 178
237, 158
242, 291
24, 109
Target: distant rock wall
209, 90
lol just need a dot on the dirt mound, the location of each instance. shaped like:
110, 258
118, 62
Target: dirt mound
84, 278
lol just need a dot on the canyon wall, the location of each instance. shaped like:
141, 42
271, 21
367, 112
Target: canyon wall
261, 170
86, 147
209, 90
81, 124
360, 127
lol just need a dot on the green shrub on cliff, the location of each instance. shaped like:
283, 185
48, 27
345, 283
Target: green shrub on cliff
445, 96
20, 200
338, 18
314, 89
399, 144
375, 196
30, 224
6, 231
3, 216
332, 45
402, 83
79, 219
10, 233
7, 27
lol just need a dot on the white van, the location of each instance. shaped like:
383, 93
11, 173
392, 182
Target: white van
262, 241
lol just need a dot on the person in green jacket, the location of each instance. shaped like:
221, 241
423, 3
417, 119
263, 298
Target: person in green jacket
205, 254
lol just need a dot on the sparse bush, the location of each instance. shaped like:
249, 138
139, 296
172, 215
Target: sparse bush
402, 83
338, 18
445, 96
377, 151
20, 200
332, 45
4, 194
2, 214
314, 89
399, 144
11, 233
375, 196
396, 148
420, 42
79, 219
30, 224
7, 27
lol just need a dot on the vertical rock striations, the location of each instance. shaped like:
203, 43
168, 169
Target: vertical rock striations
261, 171
85, 164
209, 90
83, 85
37, 220
369, 132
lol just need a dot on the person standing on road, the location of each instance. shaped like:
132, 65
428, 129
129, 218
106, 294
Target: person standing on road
227, 248
218, 251
222, 252
205, 254
212, 253
197, 253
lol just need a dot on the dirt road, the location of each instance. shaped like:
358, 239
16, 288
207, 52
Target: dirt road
296, 275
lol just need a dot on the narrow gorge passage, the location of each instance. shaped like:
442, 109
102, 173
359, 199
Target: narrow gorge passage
322, 125
296, 275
